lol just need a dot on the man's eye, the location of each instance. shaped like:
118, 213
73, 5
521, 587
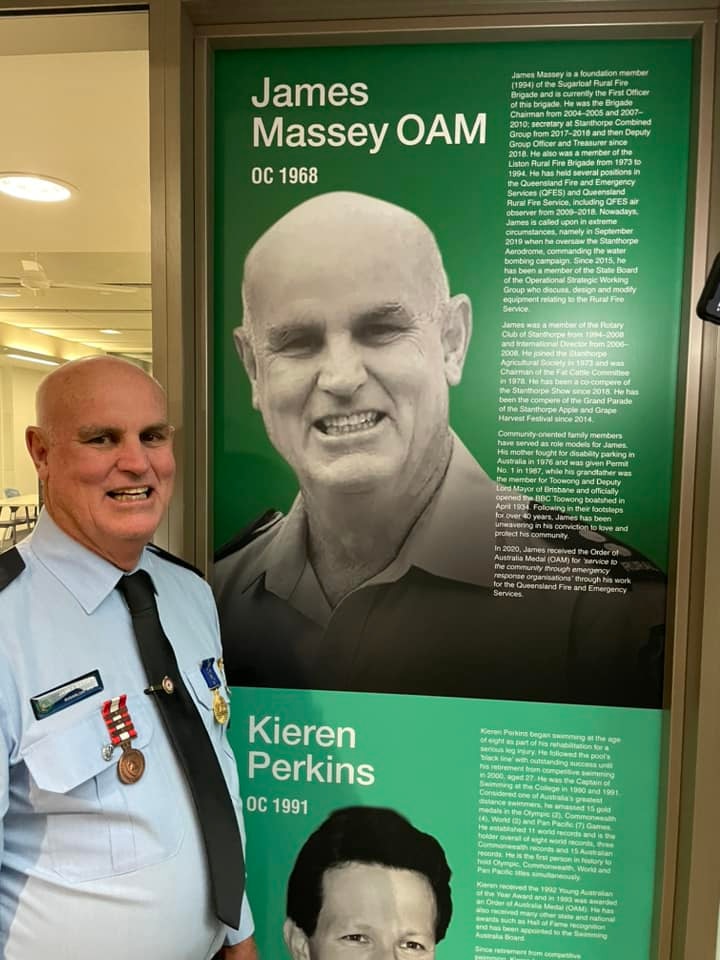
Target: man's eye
101, 440
154, 437
298, 339
413, 945
379, 332
355, 938
301, 345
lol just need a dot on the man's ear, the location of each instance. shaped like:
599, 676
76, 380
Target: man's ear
456, 332
38, 448
296, 940
246, 352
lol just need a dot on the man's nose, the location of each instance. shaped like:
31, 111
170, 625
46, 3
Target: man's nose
132, 456
385, 951
342, 369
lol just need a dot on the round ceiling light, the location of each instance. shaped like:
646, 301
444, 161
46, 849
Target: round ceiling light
29, 186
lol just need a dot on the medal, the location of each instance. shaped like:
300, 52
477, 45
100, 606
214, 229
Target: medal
220, 708
116, 715
131, 764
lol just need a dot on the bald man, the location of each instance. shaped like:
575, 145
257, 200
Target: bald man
380, 578
101, 850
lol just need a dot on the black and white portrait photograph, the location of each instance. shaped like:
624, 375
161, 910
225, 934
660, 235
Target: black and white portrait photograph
367, 883
382, 576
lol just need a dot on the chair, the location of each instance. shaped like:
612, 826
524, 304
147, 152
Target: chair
15, 520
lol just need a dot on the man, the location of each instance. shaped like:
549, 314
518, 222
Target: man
367, 883
384, 575
101, 851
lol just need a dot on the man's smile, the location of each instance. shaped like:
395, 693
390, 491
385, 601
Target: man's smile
130, 494
335, 425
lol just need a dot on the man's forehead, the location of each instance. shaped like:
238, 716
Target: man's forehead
354, 313
94, 378
362, 284
324, 249
354, 889
350, 871
142, 423
118, 400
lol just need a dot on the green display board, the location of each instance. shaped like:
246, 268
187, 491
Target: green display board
496, 678
546, 813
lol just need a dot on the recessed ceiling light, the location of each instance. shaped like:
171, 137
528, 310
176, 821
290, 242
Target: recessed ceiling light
9, 293
29, 186
109, 331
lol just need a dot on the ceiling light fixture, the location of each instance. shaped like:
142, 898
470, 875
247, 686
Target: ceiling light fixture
9, 293
30, 358
29, 186
111, 332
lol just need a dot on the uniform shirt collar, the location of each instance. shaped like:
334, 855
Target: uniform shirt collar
284, 561
453, 537
88, 577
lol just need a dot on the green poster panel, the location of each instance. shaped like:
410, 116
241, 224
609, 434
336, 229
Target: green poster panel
447, 284
546, 813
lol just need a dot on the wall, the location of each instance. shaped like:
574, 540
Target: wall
17, 410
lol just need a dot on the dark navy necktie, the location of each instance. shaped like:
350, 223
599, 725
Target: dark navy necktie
193, 747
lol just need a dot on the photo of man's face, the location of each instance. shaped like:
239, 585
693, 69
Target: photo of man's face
346, 341
372, 911
367, 885
351, 341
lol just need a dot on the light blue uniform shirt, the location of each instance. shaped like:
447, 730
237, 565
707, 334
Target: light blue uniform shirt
91, 867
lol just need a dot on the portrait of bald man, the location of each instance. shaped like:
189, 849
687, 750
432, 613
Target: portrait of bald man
380, 577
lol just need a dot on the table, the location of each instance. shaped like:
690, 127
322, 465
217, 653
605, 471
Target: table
24, 500
28, 503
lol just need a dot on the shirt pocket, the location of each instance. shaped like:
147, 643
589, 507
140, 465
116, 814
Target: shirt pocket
97, 826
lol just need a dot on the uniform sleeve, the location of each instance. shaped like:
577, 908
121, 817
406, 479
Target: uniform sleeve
246, 928
6, 741
4, 786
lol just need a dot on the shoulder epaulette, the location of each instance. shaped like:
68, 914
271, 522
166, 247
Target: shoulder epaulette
166, 555
628, 560
250, 533
11, 566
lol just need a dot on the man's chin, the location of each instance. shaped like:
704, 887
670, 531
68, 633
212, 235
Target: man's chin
352, 476
139, 528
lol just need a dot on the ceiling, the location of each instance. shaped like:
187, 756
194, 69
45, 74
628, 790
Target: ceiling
75, 107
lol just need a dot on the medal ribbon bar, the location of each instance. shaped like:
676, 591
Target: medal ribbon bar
116, 715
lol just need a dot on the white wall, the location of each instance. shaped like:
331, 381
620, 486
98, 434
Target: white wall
7, 449
17, 410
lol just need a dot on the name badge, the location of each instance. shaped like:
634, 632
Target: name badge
58, 698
